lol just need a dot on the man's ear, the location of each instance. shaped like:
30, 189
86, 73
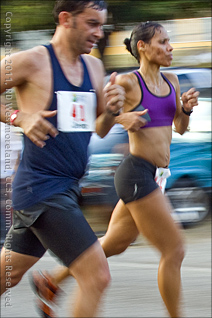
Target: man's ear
65, 18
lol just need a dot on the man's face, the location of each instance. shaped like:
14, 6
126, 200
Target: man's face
86, 29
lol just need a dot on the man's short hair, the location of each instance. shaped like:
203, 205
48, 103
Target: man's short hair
76, 6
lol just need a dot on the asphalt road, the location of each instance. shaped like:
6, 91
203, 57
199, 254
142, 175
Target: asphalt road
133, 291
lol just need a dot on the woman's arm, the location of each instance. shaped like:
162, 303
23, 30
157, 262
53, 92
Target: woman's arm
184, 105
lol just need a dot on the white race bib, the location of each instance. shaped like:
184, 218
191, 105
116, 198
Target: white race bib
161, 176
76, 111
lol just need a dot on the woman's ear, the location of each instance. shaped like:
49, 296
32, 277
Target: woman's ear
141, 46
64, 18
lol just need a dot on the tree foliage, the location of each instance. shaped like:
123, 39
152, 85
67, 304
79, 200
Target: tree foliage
153, 10
36, 14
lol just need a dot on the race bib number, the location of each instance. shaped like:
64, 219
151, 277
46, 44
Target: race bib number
161, 176
76, 111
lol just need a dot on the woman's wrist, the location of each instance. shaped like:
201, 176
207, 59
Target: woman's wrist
187, 112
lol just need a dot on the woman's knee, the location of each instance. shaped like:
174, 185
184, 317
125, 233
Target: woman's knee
117, 244
176, 254
123, 244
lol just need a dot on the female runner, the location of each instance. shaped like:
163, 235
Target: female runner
151, 106
142, 207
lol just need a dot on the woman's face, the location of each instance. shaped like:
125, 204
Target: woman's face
159, 50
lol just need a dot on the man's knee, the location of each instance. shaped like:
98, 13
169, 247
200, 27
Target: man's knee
91, 270
9, 277
102, 279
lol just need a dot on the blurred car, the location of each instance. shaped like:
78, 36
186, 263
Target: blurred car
200, 78
188, 187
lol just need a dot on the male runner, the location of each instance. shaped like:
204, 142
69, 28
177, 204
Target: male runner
59, 90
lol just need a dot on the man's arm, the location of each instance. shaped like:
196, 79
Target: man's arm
114, 96
35, 126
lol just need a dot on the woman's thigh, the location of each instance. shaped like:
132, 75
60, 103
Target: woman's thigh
152, 216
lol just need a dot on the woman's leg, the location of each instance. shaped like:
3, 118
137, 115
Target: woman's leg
153, 219
121, 232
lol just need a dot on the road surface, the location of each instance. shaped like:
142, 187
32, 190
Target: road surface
133, 291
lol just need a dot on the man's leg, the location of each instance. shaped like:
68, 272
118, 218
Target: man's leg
68, 235
92, 274
13, 267
121, 232
21, 251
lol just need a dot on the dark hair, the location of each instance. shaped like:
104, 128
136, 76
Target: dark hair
143, 31
76, 6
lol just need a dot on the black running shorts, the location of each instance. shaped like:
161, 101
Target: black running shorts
134, 179
56, 224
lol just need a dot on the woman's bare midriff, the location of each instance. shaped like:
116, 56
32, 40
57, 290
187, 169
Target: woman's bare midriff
152, 144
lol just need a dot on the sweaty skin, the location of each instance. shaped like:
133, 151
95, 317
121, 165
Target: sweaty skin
153, 143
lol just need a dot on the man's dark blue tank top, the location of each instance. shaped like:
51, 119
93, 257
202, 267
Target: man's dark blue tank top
61, 163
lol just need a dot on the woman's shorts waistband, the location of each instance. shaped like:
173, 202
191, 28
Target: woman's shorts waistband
142, 162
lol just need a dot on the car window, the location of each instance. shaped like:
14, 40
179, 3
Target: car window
201, 79
199, 125
185, 83
200, 119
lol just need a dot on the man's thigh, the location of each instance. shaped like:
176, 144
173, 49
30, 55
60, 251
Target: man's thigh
65, 232
23, 241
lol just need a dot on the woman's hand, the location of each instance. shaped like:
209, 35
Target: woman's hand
190, 99
132, 121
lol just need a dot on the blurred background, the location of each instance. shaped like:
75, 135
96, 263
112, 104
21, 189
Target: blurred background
26, 24
188, 23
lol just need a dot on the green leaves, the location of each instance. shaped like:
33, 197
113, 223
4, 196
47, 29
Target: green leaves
37, 15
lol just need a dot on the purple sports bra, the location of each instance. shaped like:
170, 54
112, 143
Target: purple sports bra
161, 108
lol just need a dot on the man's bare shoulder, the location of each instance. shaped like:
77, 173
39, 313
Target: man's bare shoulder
93, 61
96, 71
31, 58
25, 66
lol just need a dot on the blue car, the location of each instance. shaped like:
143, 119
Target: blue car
188, 187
